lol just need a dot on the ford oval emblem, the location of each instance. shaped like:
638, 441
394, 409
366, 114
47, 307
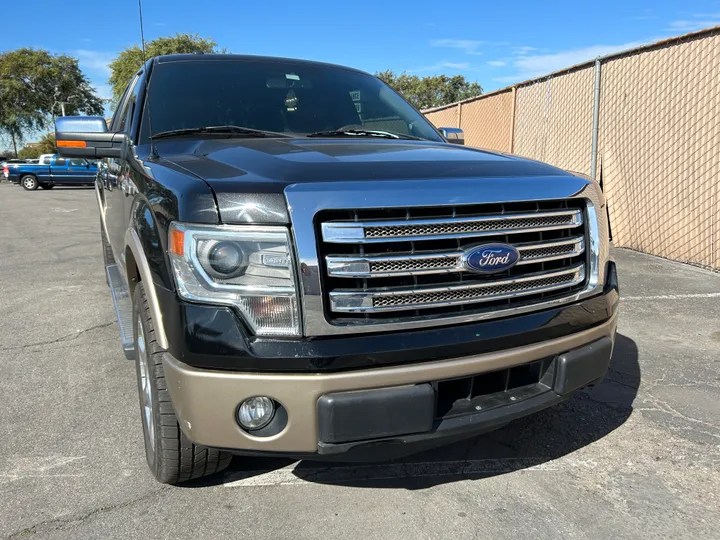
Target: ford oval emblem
490, 258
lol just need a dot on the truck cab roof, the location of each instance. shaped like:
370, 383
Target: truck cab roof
211, 57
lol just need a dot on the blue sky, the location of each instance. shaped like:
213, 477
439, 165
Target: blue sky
495, 43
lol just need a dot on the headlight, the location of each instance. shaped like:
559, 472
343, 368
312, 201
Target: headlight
249, 268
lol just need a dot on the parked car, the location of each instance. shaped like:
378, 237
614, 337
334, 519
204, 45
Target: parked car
302, 265
57, 171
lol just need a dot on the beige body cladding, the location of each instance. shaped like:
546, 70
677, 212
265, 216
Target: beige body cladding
205, 401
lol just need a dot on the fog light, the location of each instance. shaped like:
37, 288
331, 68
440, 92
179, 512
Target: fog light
256, 412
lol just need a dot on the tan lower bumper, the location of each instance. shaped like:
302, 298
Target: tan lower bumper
205, 401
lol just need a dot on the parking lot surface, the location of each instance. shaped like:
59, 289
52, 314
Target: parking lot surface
635, 457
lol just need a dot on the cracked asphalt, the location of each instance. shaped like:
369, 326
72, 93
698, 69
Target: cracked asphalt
635, 457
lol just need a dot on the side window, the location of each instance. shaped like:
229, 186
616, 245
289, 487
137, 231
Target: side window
121, 112
60, 162
127, 121
76, 162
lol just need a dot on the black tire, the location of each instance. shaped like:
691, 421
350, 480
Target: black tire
29, 182
171, 456
47, 186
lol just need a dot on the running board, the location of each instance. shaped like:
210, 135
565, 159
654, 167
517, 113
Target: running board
123, 309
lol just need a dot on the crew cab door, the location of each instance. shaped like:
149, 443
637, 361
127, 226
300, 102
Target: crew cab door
115, 177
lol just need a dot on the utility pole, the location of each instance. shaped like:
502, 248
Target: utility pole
62, 104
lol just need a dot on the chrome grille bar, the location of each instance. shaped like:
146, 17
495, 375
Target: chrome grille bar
352, 232
444, 262
408, 298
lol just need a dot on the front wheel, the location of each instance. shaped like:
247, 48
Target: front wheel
171, 456
29, 182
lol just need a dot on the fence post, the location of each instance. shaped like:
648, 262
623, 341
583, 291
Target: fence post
512, 119
459, 115
595, 121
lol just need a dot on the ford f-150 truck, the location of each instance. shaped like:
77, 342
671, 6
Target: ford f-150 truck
52, 171
302, 265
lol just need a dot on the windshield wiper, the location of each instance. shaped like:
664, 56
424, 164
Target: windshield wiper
222, 130
357, 132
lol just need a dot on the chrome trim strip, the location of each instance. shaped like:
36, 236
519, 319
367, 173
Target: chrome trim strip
351, 232
102, 209
307, 199
360, 267
578, 243
363, 301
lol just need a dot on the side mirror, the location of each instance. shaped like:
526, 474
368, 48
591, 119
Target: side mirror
453, 135
87, 137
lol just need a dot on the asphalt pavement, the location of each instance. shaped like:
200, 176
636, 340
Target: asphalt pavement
635, 457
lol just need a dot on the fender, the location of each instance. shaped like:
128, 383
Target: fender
133, 243
145, 241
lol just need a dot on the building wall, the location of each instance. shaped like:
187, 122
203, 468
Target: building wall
658, 138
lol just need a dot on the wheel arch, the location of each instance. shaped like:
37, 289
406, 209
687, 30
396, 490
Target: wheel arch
138, 269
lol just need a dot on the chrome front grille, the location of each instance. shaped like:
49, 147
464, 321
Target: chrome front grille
406, 264
459, 294
452, 227
471, 226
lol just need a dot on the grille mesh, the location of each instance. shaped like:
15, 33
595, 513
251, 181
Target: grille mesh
548, 251
469, 294
415, 264
465, 227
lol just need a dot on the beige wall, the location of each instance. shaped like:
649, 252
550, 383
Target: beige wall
659, 148
445, 117
659, 139
487, 120
553, 121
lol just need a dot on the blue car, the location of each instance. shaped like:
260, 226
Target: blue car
54, 171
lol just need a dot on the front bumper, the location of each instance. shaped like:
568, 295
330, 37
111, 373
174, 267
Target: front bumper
206, 401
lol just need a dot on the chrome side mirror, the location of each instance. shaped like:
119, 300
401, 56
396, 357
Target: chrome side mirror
453, 135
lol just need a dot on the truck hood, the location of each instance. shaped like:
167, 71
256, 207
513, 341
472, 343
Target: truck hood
241, 170
269, 165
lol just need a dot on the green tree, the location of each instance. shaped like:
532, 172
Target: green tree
432, 91
131, 59
46, 145
35, 85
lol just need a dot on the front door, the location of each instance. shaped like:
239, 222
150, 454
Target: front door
80, 171
59, 171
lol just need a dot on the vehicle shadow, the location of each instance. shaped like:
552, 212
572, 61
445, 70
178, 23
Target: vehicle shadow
588, 416
65, 188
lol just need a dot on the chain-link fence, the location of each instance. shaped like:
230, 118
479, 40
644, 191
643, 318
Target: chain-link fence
658, 138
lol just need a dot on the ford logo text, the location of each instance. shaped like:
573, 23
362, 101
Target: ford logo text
490, 258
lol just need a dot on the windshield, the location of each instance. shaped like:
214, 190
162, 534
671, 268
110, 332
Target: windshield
282, 97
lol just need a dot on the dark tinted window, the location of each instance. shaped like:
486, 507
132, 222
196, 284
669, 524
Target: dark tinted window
286, 97
60, 162
118, 123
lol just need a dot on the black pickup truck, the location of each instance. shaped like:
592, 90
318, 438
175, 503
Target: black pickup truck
303, 266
